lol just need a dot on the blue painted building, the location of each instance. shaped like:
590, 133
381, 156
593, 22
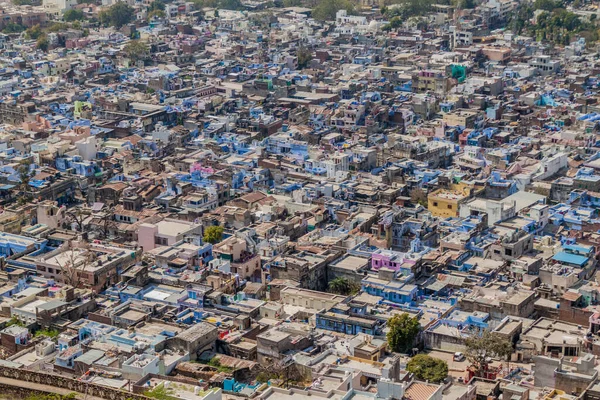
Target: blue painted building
11, 244
393, 291
349, 323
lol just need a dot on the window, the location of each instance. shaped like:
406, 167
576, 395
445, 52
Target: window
449, 206
508, 252
435, 204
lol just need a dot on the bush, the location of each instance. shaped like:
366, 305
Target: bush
73, 15
427, 368
49, 333
14, 321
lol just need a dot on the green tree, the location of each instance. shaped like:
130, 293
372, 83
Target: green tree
418, 196
230, 4
519, 19
395, 22
560, 25
25, 175
304, 56
342, 286
11, 27
117, 15
42, 43
34, 32
428, 368
292, 3
226, 4
198, 4
213, 234
156, 5
403, 330
548, 5
73, 15
408, 8
136, 50
326, 10
156, 14
58, 27
465, 4
481, 348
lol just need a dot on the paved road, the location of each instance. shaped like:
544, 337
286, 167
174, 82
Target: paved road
44, 388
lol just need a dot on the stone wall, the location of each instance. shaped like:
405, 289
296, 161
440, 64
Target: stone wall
18, 392
67, 383
140, 386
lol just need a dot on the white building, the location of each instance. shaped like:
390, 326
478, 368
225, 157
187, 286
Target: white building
463, 38
87, 148
342, 18
140, 365
58, 7
334, 166
495, 210
545, 65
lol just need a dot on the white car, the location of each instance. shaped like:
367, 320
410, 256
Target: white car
458, 356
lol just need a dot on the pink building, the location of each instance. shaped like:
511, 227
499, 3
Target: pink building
399, 261
390, 259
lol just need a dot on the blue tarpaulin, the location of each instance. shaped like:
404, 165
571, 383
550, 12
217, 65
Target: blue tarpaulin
569, 258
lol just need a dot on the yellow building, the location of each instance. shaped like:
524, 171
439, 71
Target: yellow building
431, 81
11, 222
446, 202
462, 117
